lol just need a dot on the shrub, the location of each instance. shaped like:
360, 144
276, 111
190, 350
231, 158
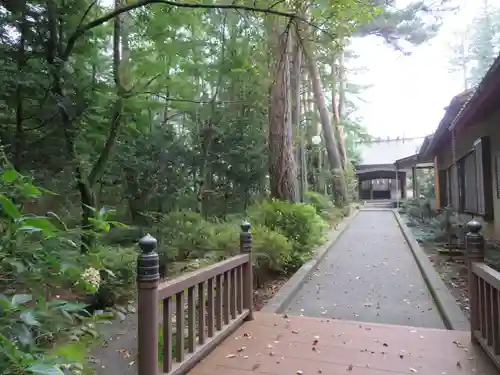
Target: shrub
42, 278
184, 235
324, 206
299, 223
272, 252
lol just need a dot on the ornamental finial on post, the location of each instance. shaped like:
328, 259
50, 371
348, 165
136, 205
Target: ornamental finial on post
148, 262
245, 237
474, 241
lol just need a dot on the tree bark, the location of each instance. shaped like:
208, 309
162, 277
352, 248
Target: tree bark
338, 90
333, 154
283, 173
21, 59
295, 81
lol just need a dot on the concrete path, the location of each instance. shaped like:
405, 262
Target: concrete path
369, 275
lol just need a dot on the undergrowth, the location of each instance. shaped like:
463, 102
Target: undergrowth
53, 296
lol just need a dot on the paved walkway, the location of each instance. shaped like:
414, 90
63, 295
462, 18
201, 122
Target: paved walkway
369, 275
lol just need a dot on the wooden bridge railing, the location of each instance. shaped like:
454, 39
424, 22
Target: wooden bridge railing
484, 295
199, 309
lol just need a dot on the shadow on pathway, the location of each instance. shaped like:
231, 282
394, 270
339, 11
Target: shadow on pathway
369, 275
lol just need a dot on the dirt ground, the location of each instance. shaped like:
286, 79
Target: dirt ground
267, 291
453, 272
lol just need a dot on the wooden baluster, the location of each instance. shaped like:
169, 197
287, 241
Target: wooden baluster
210, 307
201, 313
239, 291
474, 248
482, 309
179, 325
489, 317
496, 321
218, 302
167, 334
225, 303
234, 290
191, 320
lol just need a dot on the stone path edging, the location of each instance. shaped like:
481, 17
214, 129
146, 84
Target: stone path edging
287, 292
453, 317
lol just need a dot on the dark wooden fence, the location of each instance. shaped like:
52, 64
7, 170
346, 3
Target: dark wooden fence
192, 313
484, 295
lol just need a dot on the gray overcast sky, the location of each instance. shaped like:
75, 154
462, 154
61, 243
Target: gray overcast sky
409, 93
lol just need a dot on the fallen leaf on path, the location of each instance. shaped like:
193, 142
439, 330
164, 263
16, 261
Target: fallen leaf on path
124, 352
231, 355
255, 367
412, 369
458, 344
350, 367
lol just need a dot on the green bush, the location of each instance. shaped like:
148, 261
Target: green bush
43, 276
299, 223
185, 235
271, 250
324, 206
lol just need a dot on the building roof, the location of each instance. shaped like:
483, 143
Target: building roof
442, 132
468, 108
388, 151
484, 100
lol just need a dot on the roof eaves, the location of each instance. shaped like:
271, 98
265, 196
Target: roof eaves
493, 71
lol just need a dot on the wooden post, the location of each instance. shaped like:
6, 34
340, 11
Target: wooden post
414, 182
474, 249
398, 193
403, 185
148, 276
437, 189
246, 248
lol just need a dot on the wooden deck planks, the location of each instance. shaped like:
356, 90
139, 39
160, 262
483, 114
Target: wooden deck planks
295, 345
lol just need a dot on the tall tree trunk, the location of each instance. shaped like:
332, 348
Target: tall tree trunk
333, 154
338, 109
120, 63
295, 82
283, 173
19, 140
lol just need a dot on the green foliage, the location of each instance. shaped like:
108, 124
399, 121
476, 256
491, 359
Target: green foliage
178, 126
324, 206
38, 255
187, 235
272, 252
299, 223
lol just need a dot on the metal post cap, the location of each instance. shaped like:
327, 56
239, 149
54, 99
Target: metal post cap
474, 226
148, 243
245, 226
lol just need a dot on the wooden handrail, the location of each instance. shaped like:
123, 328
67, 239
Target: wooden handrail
170, 288
484, 295
199, 309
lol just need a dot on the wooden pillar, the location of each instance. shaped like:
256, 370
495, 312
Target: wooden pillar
397, 188
148, 277
414, 181
403, 185
436, 184
246, 248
